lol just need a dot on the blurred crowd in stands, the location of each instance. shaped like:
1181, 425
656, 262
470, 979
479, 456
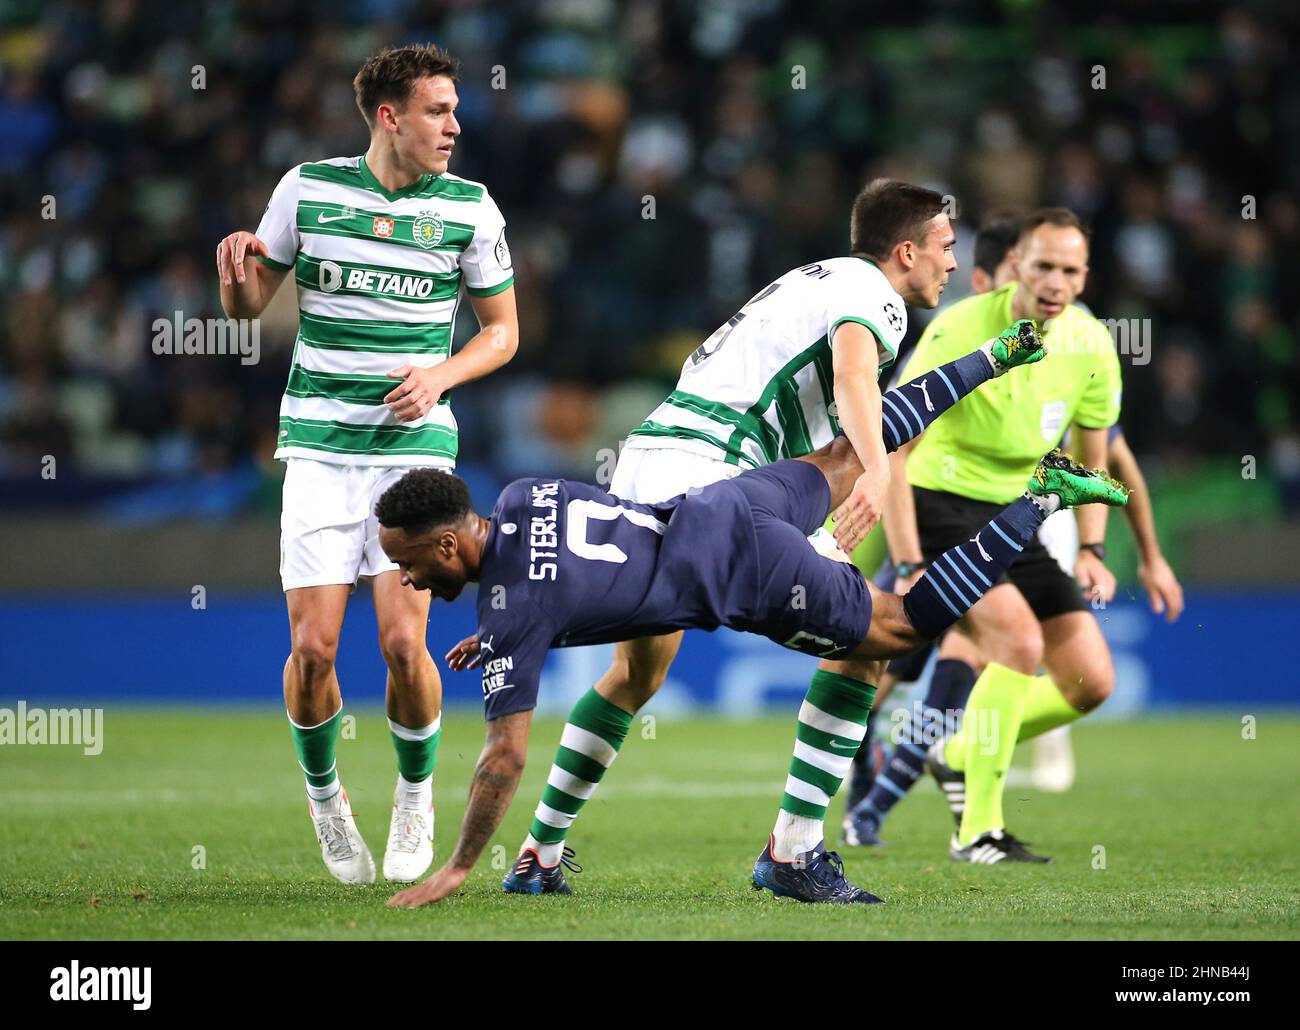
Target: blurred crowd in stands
157, 128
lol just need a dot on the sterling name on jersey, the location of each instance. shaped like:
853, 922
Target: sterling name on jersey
761, 388
379, 274
567, 564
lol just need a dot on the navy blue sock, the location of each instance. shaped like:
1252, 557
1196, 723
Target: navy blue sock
863, 772
909, 668
909, 408
933, 718
959, 576
950, 686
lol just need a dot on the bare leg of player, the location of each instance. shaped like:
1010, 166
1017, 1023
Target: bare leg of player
638, 670
801, 819
1081, 677
800, 823
1079, 662
311, 687
315, 705
595, 730
834, 717
928, 719
888, 681
414, 704
1053, 768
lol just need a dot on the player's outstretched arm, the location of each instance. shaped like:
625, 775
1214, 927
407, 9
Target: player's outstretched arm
857, 402
1157, 577
247, 285
1097, 581
901, 533
496, 778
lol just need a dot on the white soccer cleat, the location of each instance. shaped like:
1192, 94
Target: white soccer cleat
345, 853
1018, 777
410, 844
1053, 761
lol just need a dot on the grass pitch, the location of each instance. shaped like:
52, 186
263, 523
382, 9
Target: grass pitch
193, 824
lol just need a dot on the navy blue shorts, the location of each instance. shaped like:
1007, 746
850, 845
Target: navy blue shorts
806, 602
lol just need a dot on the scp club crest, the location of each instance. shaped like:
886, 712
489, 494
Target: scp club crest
428, 230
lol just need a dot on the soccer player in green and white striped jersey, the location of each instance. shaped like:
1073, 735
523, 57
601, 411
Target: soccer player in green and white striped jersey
795, 366
381, 248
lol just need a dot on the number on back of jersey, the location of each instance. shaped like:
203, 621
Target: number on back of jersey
714, 343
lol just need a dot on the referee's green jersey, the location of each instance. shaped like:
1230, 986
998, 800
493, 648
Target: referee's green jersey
986, 446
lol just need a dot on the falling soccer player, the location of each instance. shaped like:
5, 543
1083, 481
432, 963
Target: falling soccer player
562, 564
799, 363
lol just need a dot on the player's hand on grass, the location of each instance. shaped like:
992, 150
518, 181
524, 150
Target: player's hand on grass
464, 655
419, 391
861, 510
1097, 581
231, 252
1162, 587
446, 880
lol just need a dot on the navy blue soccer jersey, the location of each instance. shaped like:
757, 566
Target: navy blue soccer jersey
567, 564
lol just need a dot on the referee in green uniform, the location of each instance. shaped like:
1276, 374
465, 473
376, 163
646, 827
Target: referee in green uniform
975, 460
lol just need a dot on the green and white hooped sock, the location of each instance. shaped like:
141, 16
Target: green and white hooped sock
832, 723
417, 754
595, 731
315, 746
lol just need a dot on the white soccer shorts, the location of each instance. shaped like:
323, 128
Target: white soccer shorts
328, 530
1060, 535
648, 475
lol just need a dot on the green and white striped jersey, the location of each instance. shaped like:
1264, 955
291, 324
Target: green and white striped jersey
379, 274
761, 388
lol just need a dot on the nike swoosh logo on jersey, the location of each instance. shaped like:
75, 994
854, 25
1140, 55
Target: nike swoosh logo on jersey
334, 218
843, 747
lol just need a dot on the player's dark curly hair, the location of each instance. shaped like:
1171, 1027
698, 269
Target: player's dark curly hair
389, 76
888, 211
423, 499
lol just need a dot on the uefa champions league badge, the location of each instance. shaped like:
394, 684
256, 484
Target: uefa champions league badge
427, 230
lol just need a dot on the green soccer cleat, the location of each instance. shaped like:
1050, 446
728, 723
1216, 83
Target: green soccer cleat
1059, 474
1019, 345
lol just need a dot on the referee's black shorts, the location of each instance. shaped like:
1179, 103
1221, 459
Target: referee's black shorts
945, 520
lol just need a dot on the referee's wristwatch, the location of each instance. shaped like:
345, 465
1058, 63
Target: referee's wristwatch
1098, 549
907, 568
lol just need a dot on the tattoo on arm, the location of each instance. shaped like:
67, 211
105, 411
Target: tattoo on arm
495, 779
